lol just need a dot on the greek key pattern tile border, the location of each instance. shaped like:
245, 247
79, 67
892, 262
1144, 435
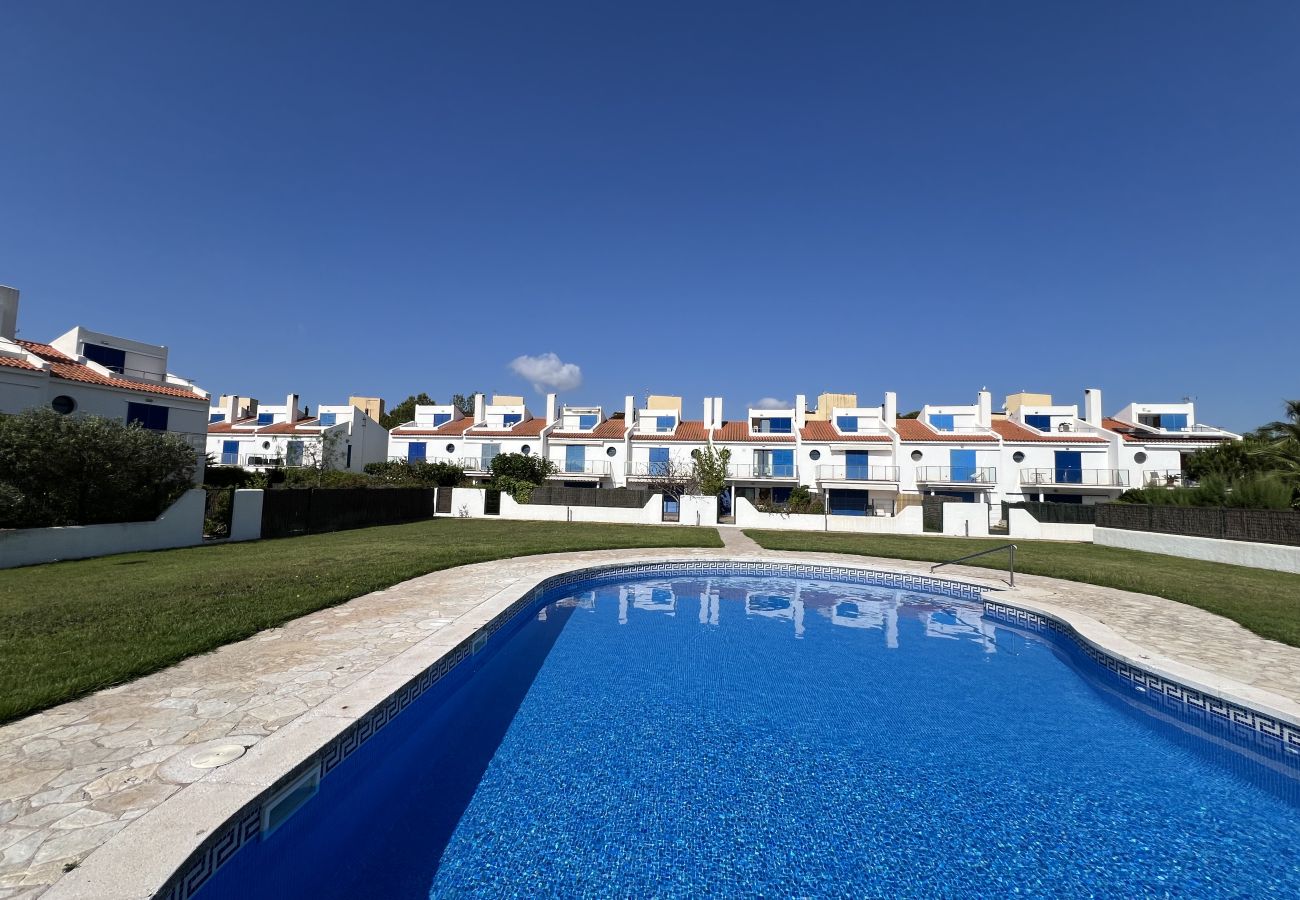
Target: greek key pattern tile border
1188, 698
247, 825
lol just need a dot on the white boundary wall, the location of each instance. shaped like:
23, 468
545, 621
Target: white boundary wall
908, 521
246, 515
1278, 557
966, 519
650, 514
1024, 525
181, 525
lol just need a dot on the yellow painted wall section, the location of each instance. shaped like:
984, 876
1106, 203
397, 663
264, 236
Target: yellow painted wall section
1024, 398
827, 402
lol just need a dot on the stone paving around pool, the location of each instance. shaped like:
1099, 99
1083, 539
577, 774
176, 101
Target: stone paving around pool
75, 776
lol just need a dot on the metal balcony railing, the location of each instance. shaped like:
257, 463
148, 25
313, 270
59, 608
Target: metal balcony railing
651, 469
1085, 477
956, 475
761, 471
268, 461
1166, 478
581, 467
857, 473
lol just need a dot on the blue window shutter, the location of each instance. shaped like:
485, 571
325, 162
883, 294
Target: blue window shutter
328, 418
780, 426
1042, 423
575, 459
109, 357
511, 419
963, 464
586, 422
229, 453
441, 419
1173, 421
783, 463
265, 418
846, 424
855, 464
665, 423
941, 423
147, 416
216, 417
417, 450
1069, 467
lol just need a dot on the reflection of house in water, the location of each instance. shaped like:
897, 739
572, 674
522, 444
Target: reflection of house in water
710, 600
586, 600
958, 623
648, 597
777, 606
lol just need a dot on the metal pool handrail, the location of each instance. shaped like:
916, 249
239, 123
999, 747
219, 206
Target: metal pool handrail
1010, 569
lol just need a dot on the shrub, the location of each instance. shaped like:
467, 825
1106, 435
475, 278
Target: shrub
86, 470
517, 474
416, 473
309, 477
232, 477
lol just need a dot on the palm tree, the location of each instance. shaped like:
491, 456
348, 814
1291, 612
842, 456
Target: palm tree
1279, 442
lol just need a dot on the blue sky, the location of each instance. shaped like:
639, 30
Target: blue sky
745, 199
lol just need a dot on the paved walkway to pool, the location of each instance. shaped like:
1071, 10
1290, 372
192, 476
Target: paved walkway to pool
75, 776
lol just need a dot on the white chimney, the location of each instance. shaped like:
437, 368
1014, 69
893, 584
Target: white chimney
629, 411
551, 409
708, 413
8, 312
291, 404
1092, 406
717, 412
480, 409
891, 409
984, 417
800, 411
232, 407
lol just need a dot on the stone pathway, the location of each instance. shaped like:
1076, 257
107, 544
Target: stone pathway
74, 776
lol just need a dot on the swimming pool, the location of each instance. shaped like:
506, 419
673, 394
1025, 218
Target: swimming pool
724, 732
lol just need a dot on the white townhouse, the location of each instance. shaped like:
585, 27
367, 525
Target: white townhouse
762, 448
445, 434
84, 372
245, 433
1155, 439
848, 453
588, 450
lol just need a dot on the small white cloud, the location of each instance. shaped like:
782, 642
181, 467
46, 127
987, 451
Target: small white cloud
771, 403
547, 372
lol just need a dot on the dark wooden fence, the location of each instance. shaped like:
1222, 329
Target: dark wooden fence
1061, 513
617, 498
1267, 526
288, 512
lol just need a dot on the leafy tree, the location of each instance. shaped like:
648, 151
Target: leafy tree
1277, 444
85, 470
464, 403
674, 479
517, 474
912, 414
1230, 460
405, 411
711, 470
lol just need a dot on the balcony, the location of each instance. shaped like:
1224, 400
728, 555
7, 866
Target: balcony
762, 472
978, 476
568, 468
886, 474
1170, 478
1076, 477
654, 469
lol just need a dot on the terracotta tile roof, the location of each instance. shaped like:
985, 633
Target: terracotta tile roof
613, 427
530, 428
739, 433
692, 431
1017, 433
46, 352
63, 366
302, 426
913, 430
454, 427
14, 362
228, 427
825, 433
1140, 434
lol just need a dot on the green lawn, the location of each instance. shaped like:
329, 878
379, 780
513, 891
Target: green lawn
70, 628
1268, 603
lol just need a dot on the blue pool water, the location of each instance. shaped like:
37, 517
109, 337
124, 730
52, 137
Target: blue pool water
774, 737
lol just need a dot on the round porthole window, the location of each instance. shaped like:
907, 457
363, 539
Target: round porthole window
1018, 457
611, 451
1139, 457
451, 448
526, 449
815, 455
695, 454
266, 445
916, 456
63, 404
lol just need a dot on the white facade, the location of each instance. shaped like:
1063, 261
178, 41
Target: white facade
244, 433
85, 372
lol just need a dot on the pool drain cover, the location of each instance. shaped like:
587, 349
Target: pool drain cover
217, 756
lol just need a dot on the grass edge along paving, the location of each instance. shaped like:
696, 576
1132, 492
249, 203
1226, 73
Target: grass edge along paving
1261, 600
70, 628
